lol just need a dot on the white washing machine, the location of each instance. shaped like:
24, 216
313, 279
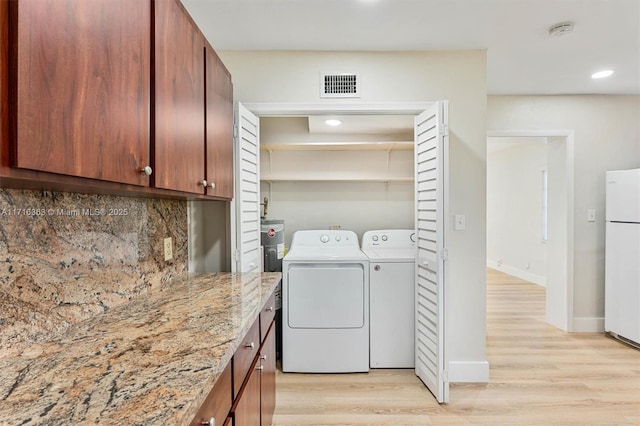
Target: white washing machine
391, 254
325, 304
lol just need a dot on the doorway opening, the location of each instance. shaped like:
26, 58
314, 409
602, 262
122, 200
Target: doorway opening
371, 163
530, 213
430, 145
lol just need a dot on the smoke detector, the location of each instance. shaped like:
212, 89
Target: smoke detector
561, 29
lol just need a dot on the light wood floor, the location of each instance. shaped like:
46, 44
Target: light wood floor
539, 376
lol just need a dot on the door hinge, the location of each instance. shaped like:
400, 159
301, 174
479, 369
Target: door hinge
445, 376
235, 254
444, 130
444, 254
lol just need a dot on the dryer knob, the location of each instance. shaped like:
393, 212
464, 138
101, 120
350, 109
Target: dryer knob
374, 238
324, 238
385, 238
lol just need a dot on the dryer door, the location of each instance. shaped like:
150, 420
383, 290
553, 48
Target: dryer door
326, 296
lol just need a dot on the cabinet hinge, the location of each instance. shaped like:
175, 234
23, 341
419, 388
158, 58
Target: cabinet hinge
444, 254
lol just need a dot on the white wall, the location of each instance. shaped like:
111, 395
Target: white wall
208, 236
514, 207
355, 188
357, 207
607, 137
459, 77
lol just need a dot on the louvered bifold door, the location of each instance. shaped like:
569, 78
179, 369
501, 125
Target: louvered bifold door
430, 160
247, 185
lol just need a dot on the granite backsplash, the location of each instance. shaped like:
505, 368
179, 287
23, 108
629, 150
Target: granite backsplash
65, 257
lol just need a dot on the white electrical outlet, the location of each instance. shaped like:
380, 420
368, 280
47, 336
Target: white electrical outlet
168, 249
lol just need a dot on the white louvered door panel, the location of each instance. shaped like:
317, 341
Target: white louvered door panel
431, 139
247, 186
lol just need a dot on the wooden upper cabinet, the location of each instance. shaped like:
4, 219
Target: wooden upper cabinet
81, 76
219, 110
179, 100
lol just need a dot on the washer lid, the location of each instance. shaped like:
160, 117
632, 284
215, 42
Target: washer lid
393, 255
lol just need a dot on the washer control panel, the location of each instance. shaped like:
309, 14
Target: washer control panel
389, 238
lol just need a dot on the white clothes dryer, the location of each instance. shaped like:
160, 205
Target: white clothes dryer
325, 304
391, 254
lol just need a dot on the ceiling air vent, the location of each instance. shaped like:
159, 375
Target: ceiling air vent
341, 85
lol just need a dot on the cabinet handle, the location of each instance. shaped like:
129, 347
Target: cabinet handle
212, 185
263, 357
269, 309
261, 367
250, 345
203, 183
146, 170
210, 422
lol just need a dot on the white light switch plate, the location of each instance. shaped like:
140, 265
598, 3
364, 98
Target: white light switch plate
460, 222
591, 215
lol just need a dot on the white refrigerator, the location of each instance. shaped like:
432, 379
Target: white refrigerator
622, 255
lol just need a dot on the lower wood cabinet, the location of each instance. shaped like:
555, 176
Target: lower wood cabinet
257, 400
245, 393
218, 402
268, 377
245, 357
247, 409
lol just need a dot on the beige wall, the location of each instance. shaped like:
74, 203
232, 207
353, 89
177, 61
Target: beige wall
514, 207
607, 137
459, 77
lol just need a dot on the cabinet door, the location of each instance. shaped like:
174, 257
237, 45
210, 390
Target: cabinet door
219, 127
81, 104
247, 411
179, 99
268, 377
244, 356
267, 315
218, 402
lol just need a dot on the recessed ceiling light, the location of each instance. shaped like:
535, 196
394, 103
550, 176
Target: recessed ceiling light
602, 74
333, 122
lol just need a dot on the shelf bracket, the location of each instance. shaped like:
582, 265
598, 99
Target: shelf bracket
388, 162
270, 151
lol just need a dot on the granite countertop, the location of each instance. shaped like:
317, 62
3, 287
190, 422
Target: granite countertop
150, 361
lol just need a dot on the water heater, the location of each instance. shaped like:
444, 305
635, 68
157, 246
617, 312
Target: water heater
272, 239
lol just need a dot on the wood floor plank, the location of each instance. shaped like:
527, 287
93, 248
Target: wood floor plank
538, 376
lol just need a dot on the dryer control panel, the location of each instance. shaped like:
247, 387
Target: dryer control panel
325, 238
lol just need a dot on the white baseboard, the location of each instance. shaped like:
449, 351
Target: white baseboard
518, 273
468, 372
588, 325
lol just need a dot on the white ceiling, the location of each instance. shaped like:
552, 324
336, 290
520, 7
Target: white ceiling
521, 57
